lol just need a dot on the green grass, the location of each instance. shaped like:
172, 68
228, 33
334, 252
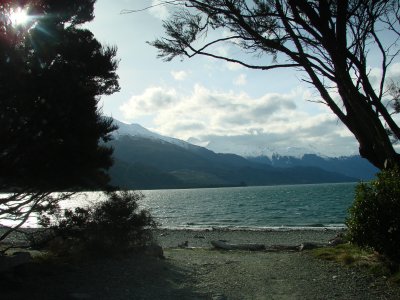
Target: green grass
353, 256
346, 254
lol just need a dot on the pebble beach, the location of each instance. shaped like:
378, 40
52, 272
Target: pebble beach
200, 272
170, 238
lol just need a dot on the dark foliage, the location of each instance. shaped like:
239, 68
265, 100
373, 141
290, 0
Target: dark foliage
51, 76
114, 226
52, 73
374, 218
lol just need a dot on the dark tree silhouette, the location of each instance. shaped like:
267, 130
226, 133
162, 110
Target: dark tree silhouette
52, 73
331, 41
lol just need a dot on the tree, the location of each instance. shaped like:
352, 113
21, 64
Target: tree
332, 41
52, 73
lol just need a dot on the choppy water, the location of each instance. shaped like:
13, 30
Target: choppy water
255, 207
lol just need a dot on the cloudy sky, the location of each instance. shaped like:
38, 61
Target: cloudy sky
209, 101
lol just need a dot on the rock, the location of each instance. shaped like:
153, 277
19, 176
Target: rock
308, 246
154, 250
185, 244
337, 240
199, 236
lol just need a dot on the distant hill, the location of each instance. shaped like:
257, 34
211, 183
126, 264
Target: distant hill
149, 162
352, 166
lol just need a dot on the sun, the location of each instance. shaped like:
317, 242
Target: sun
19, 16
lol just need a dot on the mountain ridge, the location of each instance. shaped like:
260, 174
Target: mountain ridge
147, 160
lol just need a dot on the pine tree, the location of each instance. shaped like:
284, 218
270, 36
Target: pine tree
52, 132
52, 73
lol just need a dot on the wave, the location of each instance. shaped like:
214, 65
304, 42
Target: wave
194, 227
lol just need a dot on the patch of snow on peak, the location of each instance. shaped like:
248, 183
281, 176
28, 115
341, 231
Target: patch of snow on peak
132, 130
297, 152
140, 131
253, 147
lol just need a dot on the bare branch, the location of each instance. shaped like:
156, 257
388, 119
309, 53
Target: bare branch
270, 67
330, 40
130, 11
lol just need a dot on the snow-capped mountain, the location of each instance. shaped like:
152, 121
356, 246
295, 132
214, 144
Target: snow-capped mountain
250, 146
230, 145
139, 131
223, 161
245, 147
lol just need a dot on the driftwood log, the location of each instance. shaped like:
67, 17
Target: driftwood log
260, 247
225, 246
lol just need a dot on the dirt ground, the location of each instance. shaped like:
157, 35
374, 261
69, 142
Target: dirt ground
200, 273
195, 274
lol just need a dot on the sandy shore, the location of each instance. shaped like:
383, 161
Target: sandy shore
202, 273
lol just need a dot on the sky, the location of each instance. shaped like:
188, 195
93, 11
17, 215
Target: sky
211, 102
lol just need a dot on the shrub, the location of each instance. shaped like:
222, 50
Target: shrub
110, 227
374, 217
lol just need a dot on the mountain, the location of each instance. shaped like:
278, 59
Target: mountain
140, 131
146, 160
264, 144
257, 149
352, 166
249, 149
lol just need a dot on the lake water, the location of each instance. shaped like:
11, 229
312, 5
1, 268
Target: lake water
319, 205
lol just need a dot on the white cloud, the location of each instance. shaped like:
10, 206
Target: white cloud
151, 101
240, 80
375, 75
222, 51
159, 9
258, 143
233, 66
179, 75
394, 72
271, 120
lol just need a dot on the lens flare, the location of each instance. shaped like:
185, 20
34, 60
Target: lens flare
19, 16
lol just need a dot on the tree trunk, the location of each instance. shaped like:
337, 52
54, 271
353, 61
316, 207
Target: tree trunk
364, 123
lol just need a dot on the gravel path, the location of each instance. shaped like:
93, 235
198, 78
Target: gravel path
201, 273
259, 275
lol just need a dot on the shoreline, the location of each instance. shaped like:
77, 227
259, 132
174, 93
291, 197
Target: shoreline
172, 238
255, 228
202, 237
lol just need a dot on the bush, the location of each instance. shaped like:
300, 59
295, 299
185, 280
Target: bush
374, 217
110, 227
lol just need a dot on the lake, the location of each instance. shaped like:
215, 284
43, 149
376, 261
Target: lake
316, 205
259, 207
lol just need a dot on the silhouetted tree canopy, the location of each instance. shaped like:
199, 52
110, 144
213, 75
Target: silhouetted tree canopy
52, 73
334, 42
